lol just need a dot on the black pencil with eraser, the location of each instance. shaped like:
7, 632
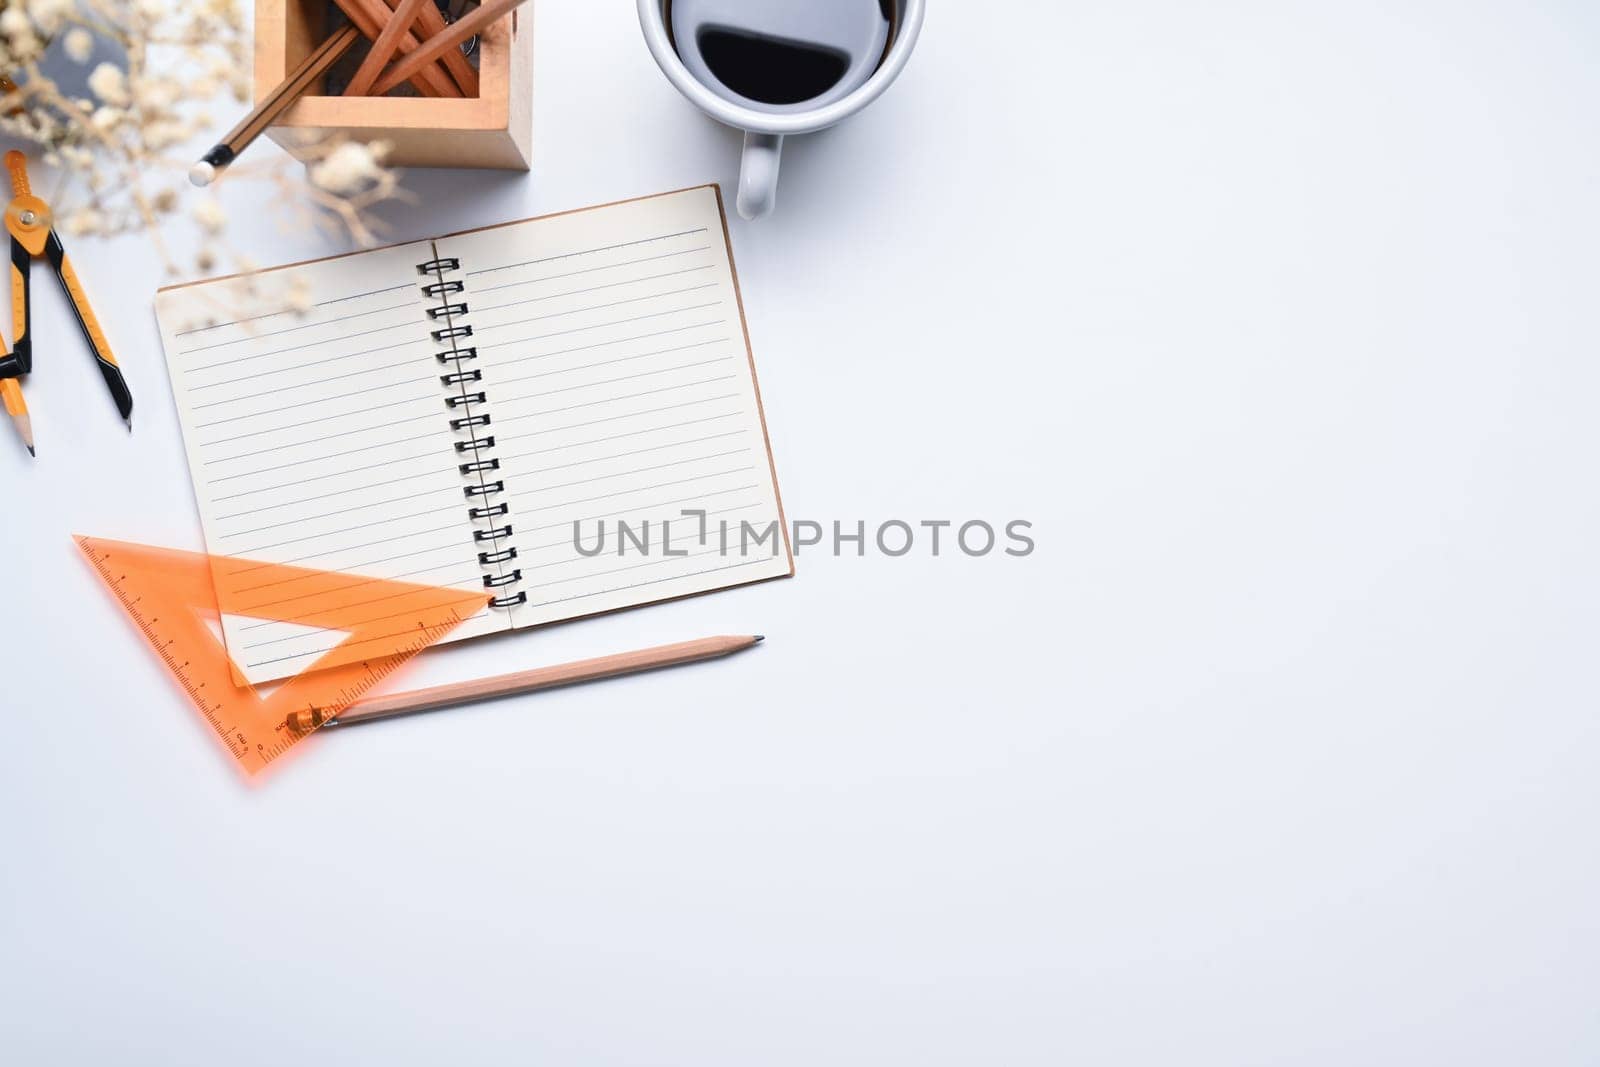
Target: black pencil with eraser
273, 105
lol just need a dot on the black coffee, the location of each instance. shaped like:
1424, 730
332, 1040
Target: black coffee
781, 52
768, 70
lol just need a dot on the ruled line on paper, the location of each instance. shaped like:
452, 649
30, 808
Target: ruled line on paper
357, 584
593, 307
591, 594
505, 361
642, 507
634, 452
456, 525
409, 322
328, 399
591, 288
355, 565
326, 455
618, 436
612, 381
633, 471
587, 251
347, 529
591, 270
365, 485
604, 363
342, 473
689, 521
280, 372
484, 329
368, 505
303, 326
285, 311
641, 489
611, 400
325, 418
629, 415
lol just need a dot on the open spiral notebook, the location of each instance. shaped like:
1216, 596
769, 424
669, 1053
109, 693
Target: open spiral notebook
447, 410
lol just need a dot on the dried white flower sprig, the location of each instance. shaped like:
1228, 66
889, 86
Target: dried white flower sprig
119, 134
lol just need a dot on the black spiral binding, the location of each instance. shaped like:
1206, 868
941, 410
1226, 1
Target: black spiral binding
468, 419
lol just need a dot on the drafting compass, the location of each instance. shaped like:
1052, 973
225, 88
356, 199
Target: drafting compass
30, 223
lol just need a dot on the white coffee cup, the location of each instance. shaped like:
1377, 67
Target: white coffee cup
765, 127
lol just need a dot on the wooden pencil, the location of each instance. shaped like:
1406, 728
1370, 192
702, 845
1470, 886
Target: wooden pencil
588, 670
383, 49
274, 104
450, 37
370, 16
460, 68
17, 408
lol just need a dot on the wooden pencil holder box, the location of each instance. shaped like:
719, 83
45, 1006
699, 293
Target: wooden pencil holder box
493, 130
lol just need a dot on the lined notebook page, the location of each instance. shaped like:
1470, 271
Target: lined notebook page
621, 389
320, 438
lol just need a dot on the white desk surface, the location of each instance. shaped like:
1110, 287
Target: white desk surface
1276, 320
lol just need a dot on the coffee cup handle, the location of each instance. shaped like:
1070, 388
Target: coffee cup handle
758, 173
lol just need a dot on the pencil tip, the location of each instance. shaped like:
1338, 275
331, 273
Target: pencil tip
32, 453
129, 420
760, 638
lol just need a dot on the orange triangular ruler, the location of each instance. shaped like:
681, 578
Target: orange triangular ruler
172, 596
